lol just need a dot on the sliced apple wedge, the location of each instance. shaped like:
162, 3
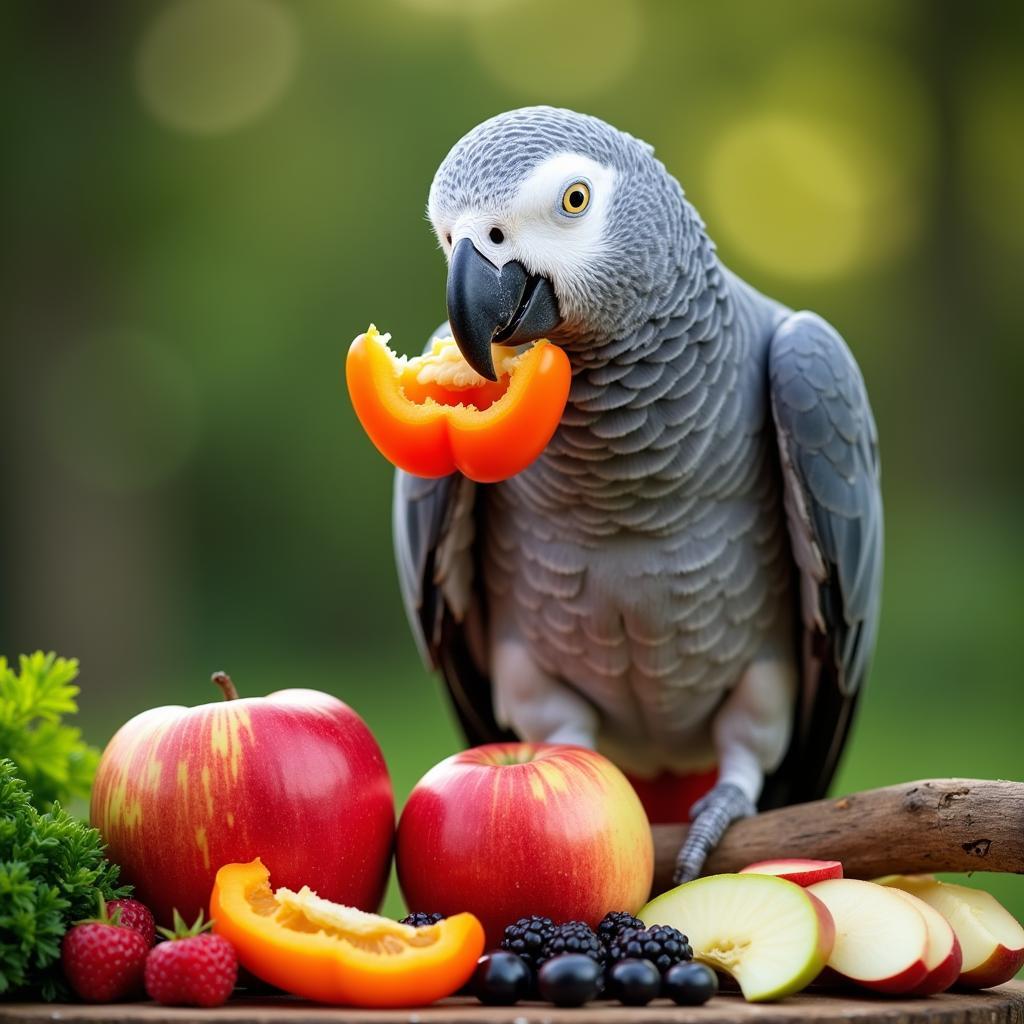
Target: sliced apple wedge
943, 956
793, 869
881, 939
991, 939
772, 936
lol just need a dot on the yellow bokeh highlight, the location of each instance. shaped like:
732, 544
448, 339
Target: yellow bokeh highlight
826, 171
206, 67
872, 99
782, 195
557, 53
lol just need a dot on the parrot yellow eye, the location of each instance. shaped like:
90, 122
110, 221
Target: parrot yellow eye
576, 198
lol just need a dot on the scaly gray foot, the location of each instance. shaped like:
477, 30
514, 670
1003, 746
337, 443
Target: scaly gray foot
710, 817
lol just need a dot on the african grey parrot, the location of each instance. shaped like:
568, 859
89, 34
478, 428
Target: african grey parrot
689, 576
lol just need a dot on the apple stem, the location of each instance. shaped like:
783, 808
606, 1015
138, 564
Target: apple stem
223, 680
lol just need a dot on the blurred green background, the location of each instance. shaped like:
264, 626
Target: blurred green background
205, 200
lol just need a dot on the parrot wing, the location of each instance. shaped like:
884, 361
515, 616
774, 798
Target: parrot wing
828, 446
434, 526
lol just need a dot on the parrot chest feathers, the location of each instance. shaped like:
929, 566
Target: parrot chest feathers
652, 632
658, 427
643, 559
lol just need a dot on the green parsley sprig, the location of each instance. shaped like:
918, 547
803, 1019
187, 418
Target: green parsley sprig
51, 757
52, 869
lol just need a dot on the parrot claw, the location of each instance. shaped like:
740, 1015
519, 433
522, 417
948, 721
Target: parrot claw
710, 817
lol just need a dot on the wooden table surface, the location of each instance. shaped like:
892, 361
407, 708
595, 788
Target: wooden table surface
1003, 1005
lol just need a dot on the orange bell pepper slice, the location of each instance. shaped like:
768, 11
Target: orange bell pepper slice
432, 415
334, 954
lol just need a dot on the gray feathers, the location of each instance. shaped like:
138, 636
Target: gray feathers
653, 233
711, 494
829, 449
488, 163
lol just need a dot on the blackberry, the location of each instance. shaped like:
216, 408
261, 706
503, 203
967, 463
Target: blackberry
614, 922
573, 937
527, 936
419, 919
661, 944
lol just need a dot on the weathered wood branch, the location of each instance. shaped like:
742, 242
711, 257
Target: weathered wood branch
931, 825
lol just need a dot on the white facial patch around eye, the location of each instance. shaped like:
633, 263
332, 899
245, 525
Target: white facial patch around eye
546, 239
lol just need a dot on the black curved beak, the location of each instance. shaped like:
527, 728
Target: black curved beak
488, 306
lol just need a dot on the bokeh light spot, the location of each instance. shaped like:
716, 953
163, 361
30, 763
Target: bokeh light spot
558, 53
209, 66
873, 98
122, 411
828, 172
782, 195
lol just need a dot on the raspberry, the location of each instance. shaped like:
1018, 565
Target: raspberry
191, 968
661, 944
135, 915
527, 936
103, 961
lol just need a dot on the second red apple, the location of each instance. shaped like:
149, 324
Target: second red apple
508, 830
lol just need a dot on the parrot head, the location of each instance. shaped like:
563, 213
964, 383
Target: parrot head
555, 224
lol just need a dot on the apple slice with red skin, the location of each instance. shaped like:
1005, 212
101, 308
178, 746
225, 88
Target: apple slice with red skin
797, 870
991, 939
881, 938
943, 957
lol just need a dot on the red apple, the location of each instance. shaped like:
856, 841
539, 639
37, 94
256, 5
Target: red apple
881, 939
295, 778
800, 872
512, 829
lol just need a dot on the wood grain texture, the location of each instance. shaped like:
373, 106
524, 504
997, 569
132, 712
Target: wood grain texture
925, 826
1004, 1005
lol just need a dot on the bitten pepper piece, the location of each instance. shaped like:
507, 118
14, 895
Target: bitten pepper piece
433, 415
335, 954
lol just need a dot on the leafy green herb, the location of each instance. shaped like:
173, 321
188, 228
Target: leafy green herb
51, 869
51, 757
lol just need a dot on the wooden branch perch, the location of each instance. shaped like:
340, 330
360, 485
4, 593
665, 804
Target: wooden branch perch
932, 825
